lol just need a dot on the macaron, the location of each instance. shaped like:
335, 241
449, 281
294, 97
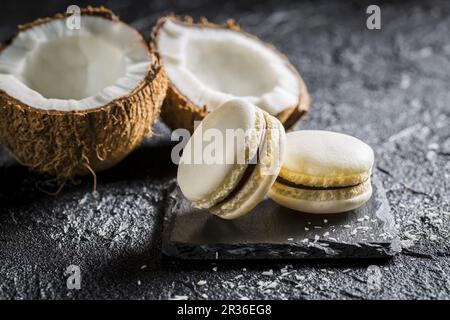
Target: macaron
232, 159
324, 172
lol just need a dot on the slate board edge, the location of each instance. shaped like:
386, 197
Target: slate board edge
259, 251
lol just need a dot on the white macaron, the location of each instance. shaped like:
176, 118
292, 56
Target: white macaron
232, 159
324, 172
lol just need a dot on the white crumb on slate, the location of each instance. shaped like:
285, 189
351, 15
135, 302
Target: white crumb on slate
201, 283
346, 270
268, 273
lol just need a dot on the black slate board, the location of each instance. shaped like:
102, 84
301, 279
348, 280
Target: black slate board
273, 232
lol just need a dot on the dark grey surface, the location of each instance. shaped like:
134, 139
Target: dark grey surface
388, 87
270, 231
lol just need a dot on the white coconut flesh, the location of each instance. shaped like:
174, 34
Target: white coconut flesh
52, 67
210, 66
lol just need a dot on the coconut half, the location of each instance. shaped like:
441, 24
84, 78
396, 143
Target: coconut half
208, 64
74, 102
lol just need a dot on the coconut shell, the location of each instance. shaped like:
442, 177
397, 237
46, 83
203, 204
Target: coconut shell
73, 143
179, 112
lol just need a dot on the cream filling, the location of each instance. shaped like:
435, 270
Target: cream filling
319, 193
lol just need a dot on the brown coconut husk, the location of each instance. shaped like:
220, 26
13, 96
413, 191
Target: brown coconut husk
179, 112
74, 143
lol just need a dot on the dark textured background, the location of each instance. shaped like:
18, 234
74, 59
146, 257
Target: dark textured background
389, 88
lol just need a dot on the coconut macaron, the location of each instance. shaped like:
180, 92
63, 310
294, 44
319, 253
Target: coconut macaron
324, 172
232, 159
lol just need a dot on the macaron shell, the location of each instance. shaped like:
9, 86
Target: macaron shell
326, 159
321, 201
208, 183
263, 176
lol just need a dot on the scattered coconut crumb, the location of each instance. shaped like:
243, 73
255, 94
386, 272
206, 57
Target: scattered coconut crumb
410, 236
230, 284
267, 284
346, 270
406, 244
434, 146
299, 277
201, 283
268, 273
